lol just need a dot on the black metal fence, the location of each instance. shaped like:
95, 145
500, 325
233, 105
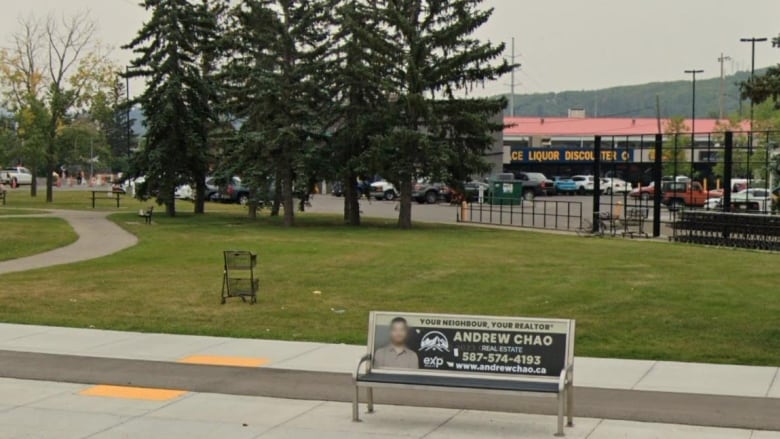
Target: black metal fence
538, 214
671, 177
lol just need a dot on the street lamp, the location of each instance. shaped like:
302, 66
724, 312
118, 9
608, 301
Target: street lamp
752, 41
693, 73
127, 92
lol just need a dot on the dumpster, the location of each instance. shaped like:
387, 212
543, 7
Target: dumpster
506, 192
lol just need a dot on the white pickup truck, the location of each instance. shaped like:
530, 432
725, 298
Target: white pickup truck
16, 176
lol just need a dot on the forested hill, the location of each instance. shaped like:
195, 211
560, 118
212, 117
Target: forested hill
638, 100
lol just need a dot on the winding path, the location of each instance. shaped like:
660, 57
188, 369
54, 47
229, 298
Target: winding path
97, 237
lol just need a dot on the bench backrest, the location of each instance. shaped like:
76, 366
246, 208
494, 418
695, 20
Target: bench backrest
446, 344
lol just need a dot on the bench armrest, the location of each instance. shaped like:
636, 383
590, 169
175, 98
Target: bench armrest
566, 377
363, 359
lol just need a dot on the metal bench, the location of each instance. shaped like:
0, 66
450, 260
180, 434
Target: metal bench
238, 278
468, 354
147, 214
634, 221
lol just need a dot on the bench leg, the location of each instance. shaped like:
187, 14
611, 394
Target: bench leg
561, 404
370, 400
570, 405
355, 402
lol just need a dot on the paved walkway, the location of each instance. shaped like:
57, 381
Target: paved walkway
39, 409
277, 388
98, 237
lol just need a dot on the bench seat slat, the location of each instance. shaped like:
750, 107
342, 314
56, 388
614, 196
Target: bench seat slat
460, 382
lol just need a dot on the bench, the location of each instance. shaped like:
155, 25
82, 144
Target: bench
111, 194
482, 354
634, 221
147, 214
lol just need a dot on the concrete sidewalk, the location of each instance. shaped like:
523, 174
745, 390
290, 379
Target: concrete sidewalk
695, 378
98, 237
39, 409
739, 397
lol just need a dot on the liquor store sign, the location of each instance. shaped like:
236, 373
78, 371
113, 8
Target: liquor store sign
569, 155
471, 344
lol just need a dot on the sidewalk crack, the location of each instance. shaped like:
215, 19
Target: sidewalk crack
445, 422
772, 383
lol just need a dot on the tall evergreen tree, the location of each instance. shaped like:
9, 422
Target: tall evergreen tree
359, 98
436, 60
176, 100
278, 86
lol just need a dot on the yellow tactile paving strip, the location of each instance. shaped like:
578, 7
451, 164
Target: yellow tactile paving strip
148, 394
217, 360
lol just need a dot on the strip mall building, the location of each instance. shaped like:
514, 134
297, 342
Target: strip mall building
564, 145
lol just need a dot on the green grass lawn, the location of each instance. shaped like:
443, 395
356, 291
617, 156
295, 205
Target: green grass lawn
631, 299
27, 236
82, 200
5, 211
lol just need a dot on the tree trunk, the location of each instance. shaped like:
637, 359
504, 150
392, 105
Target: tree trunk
200, 194
34, 184
252, 209
405, 210
351, 201
170, 203
49, 182
287, 198
277, 201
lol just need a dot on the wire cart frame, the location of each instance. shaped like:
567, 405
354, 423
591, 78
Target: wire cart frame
238, 279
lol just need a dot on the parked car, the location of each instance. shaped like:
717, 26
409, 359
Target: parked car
187, 192
614, 185
748, 200
16, 176
383, 190
234, 192
473, 190
184, 192
431, 193
645, 193
584, 183
691, 194
535, 183
564, 185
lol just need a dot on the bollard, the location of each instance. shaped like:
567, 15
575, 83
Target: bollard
464, 211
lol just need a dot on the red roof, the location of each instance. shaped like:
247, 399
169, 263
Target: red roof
571, 127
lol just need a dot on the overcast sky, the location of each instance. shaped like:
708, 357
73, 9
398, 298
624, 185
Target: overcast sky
562, 44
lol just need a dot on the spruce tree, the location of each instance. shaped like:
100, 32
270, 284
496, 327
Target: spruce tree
175, 101
437, 130
277, 82
359, 98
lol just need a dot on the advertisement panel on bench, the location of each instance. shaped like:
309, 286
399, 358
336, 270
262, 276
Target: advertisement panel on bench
470, 344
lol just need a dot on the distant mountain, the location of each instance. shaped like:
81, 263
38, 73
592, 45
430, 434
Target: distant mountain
638, 100
625, 101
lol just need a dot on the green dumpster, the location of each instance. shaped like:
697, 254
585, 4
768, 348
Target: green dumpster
506, 192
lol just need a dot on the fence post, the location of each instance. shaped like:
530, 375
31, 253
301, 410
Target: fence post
596, 182
728, 161
657, 183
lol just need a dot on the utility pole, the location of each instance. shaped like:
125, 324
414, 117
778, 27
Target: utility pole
722, 60
129, 128
752, 41
693, 73
512, 83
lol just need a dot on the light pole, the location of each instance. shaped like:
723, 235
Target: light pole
723, 58
752, 41
693, 73
127, 92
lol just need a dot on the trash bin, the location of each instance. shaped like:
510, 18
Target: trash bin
506, 192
